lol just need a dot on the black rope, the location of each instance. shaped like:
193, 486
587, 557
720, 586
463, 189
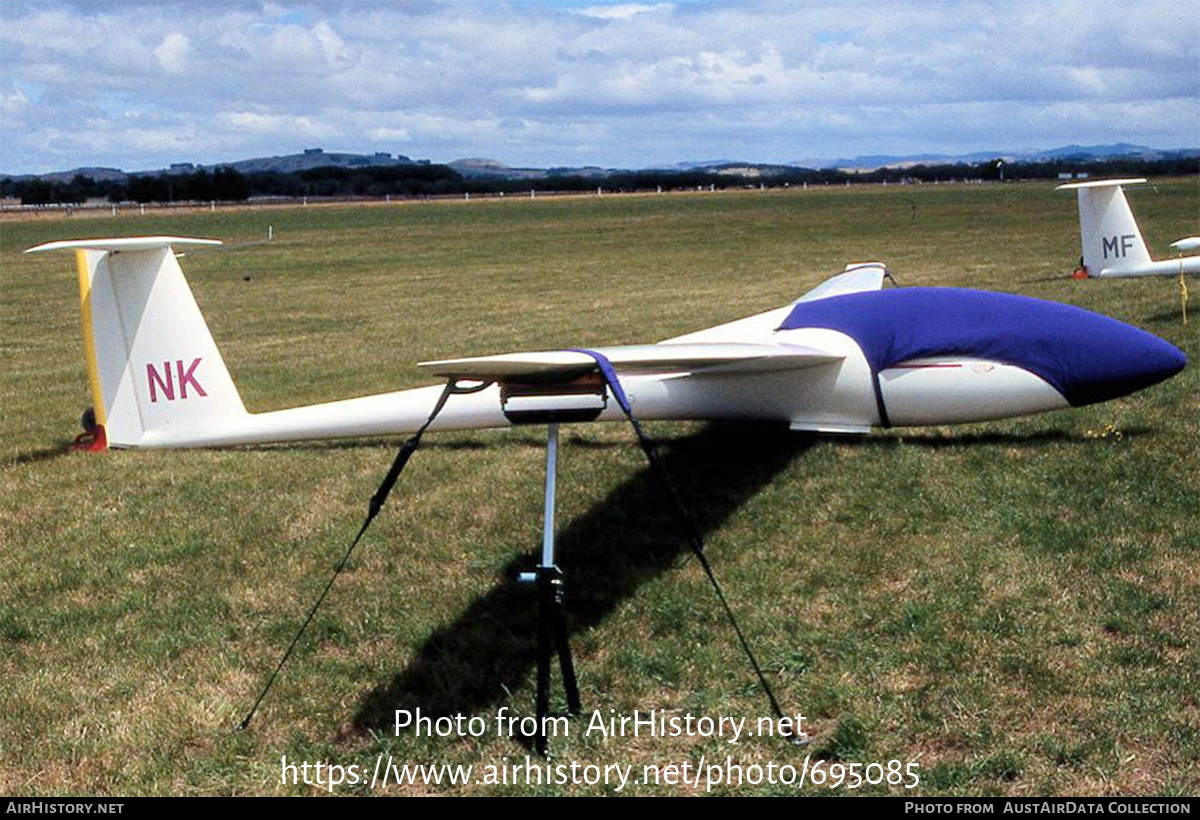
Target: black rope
692, 529
373, 507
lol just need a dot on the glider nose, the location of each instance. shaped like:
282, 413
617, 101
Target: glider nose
1118, 359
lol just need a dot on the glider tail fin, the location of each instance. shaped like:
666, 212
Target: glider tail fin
152, 363
1112, 241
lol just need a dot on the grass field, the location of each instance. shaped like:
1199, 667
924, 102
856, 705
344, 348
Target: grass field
1014, 606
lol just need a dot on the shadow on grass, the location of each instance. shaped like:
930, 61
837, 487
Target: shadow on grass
606, 555
935, 441
434, 441
62, 450
1037, 280
1174, 316
386, 445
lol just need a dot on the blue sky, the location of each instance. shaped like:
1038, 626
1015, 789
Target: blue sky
139, 85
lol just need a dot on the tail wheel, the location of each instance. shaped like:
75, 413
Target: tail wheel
92, 439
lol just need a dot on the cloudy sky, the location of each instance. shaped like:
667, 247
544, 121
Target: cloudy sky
139, 85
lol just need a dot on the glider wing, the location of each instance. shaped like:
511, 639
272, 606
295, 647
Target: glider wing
658, 359
858, 278
761, 327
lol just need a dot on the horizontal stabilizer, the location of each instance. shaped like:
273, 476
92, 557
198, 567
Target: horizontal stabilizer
132, 243
1099, 183
660, 358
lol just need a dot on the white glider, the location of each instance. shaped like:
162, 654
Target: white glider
1112, 242
846, 356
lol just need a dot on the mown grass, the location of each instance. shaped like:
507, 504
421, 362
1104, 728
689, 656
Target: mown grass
1013, 605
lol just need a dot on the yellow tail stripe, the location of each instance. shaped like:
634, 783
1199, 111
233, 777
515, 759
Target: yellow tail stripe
89, 344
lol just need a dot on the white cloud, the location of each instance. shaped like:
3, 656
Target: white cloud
275, 125
13, 102
172, 53
335, 51
624, 11
611, 84
389, 135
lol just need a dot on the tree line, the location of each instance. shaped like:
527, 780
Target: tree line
227, 184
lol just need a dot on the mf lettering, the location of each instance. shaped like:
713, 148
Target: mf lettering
1119, 245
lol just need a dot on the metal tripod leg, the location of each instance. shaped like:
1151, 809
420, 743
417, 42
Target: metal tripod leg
552, 622
566, 664
552, 636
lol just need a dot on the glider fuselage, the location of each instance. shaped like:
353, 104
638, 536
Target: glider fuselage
900, 357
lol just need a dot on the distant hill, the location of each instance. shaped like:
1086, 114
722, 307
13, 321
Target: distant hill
480, 169
698, 165
317, 158
98, 174
1120, 150
1080, 153
312, 158
476, 168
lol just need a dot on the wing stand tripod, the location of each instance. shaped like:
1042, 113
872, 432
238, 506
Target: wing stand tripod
581, 399
551, 616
